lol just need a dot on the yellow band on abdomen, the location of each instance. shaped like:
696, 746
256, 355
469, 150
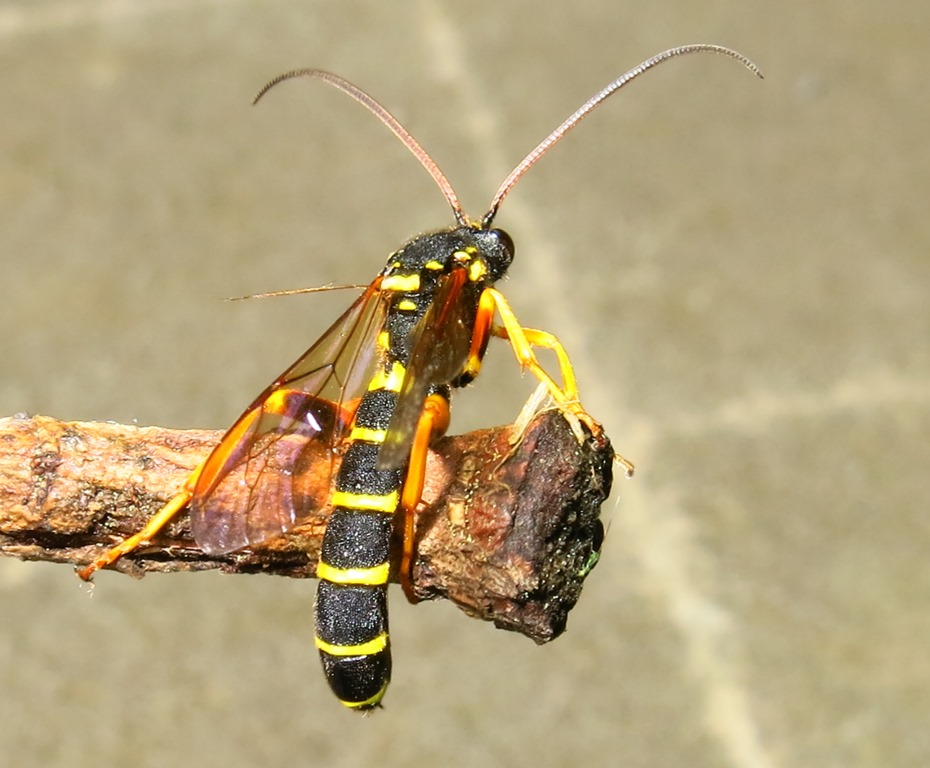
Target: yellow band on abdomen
372, 577
364, 502
369, 648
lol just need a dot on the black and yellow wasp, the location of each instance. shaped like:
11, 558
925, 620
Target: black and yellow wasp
369, 396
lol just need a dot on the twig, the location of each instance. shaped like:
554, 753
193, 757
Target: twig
507, 532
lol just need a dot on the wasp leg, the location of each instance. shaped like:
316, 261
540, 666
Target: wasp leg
434, 420
522, 340
158, 521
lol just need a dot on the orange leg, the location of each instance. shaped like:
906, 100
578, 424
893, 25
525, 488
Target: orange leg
279, 402
484, 325
434, 421
158, 521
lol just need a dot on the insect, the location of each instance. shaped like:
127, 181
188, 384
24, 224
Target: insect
369, 396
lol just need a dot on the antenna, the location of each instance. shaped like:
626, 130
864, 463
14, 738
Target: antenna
541, 149
385, 117
582, 112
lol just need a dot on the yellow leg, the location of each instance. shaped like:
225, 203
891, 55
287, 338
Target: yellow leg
522, 340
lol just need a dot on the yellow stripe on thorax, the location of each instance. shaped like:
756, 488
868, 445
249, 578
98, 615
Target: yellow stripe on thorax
401, 283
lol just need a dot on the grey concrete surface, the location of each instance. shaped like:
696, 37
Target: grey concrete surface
738, 268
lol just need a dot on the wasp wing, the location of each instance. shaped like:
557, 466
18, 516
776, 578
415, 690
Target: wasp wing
441, 343
273, 467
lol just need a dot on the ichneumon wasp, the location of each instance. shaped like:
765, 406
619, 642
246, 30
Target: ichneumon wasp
368, 397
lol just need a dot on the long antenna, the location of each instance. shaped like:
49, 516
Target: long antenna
576, 117
385, 117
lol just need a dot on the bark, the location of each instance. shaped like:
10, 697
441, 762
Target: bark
508, 530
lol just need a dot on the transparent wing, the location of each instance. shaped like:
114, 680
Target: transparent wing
439, 353
274, 465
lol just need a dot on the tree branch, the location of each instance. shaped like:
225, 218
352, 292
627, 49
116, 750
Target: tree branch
507, 532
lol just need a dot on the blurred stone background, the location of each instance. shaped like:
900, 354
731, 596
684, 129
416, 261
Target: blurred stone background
738, 268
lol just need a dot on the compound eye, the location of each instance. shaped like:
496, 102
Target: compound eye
505, 239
